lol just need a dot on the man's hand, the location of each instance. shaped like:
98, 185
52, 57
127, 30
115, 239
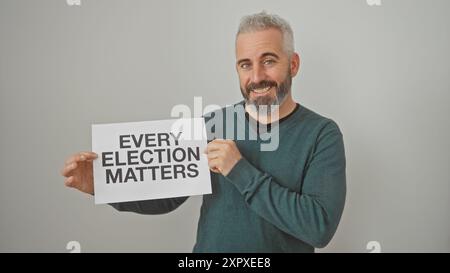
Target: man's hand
222, 155
78, 171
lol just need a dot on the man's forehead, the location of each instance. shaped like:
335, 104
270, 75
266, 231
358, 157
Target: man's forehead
258, 43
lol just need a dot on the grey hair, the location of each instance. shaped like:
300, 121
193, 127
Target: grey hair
262, 21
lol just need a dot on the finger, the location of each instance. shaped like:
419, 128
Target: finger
213, 146
90, 155
82, 156
214, 154
69, 181
220, 140
67, 170
71, 159
214, 170
86, 156
75, 158
214, 165
223, 141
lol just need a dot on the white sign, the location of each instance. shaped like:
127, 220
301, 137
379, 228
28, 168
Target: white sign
150, 160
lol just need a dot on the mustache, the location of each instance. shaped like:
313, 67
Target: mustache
261, 84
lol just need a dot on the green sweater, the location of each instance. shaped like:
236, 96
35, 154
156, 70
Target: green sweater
287, 200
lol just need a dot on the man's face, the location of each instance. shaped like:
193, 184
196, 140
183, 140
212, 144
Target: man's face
265, 69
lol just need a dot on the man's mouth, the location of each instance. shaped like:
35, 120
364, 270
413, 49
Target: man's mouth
262, 91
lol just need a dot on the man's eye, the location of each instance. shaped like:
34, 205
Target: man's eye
245, 66
268, 62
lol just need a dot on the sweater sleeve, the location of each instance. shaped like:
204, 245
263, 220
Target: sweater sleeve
313, 214
158, 206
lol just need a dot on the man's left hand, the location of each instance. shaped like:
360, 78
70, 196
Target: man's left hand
222, 155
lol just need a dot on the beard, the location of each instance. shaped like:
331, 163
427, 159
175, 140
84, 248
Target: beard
268, 102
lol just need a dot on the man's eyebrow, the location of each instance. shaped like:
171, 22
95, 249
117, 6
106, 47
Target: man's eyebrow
270, 54
265, 54
242, 61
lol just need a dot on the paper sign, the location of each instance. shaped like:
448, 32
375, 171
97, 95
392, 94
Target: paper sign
150, 160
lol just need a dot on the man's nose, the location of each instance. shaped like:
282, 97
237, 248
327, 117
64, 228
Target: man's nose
258, 74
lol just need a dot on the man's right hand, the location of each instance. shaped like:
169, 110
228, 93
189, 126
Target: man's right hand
78, 171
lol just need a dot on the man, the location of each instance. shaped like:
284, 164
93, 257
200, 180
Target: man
286, 200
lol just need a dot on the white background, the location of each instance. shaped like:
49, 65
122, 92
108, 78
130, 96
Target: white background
380, 72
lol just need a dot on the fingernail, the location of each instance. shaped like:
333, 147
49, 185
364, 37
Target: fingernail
83, 157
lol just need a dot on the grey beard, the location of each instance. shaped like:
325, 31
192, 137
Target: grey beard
269, 103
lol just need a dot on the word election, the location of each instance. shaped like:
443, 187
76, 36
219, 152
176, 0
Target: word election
153, 155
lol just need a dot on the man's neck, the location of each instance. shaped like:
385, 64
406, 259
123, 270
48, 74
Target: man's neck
285, 109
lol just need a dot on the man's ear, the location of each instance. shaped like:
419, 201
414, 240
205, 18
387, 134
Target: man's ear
295, 64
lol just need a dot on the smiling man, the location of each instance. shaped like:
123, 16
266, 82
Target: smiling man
289, 199
266, 64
